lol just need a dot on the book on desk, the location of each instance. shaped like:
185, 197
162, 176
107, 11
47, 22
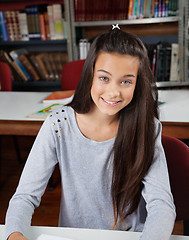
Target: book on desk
55, 100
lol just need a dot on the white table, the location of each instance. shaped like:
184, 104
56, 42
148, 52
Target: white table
15, 106
84, 234
174, 113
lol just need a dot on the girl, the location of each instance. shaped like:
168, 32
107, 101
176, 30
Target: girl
107, 143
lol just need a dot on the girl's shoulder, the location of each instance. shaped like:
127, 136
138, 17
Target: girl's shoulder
61, 113
56, 118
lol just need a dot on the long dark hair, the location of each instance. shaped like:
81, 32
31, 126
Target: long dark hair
135, 142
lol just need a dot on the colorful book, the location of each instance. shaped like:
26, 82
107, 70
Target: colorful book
14, 54
14, 66
42, 114
63, 97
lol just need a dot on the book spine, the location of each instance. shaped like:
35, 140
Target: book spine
37, 35
47, 29
154, 61
51, 22
160, 8
163, 8
55, 67
42, 67
22, 19
134, 12
42, 26
24, 60
23, 68
141, 11
37, 67
16, 28
174, 68
48, 67
152, 8
156, 8
29, 21
57, 19
4, 31
15, 66
138, 9
145, 8
9, 25
14, 56
166, 8
64, 28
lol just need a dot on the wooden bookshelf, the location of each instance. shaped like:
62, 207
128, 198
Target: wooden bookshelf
156, 28
37, 45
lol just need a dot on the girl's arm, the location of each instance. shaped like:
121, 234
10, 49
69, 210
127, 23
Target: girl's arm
158, 197
34, 179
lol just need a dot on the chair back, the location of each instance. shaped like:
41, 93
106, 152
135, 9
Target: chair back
5, 77
71, 73
177, 155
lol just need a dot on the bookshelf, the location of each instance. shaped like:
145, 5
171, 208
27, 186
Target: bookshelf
172, 28
37, 46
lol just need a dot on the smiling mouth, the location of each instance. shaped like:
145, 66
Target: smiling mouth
111, 102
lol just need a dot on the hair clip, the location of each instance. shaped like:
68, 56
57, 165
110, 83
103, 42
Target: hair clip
115, 26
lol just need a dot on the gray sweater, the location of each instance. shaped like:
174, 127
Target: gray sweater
86, 171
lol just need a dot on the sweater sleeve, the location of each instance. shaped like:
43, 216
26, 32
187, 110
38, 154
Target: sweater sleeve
157, 194
36, 173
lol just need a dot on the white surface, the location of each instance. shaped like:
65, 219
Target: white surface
176, 106
84, 234
51, 237
17, 105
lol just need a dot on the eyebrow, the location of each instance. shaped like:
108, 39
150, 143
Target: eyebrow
127, 75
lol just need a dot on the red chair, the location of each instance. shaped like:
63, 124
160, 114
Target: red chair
5, 77
71, 73
177, 155
6, 85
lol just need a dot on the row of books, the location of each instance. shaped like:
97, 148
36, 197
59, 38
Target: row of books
152, 8
164, 59
36, 22
30, 66
163, 56
96, 10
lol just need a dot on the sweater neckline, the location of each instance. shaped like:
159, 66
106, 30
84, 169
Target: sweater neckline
82, 136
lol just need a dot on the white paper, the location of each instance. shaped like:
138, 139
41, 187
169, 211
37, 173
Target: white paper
51, 237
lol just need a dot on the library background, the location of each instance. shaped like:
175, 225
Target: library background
37, 39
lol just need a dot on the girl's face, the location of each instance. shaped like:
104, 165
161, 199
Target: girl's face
114, 82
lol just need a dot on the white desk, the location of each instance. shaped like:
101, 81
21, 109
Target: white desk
15, 106
174, 113
85, 234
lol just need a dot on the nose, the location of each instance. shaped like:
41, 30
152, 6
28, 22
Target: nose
113, 91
